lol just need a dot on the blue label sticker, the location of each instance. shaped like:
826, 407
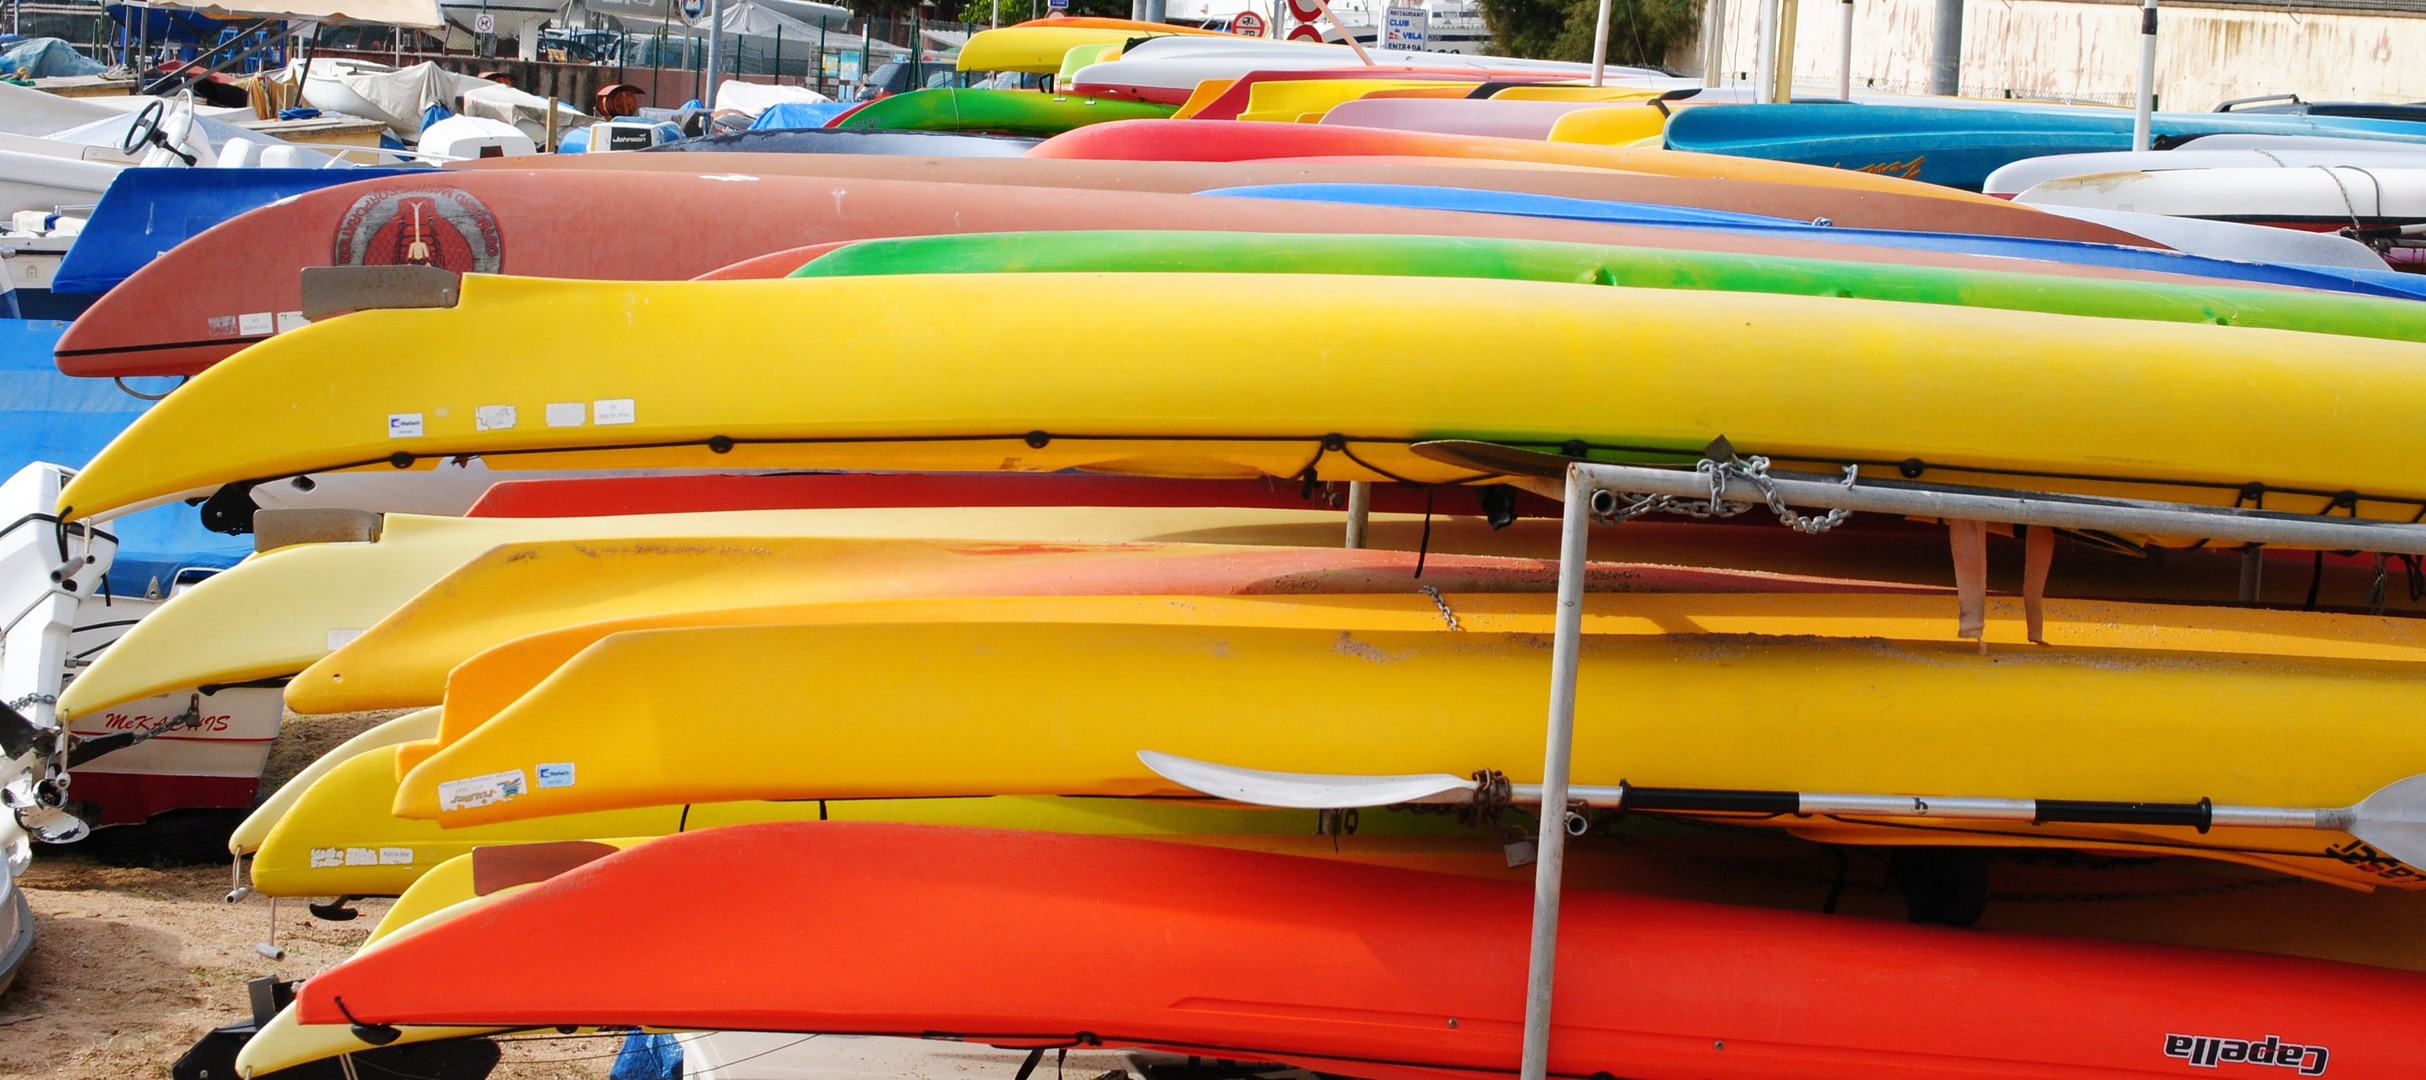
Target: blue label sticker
556, 774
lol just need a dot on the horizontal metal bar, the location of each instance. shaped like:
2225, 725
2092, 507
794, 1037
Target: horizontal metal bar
2024, 508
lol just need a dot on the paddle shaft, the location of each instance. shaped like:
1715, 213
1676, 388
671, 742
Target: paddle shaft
2200, 815
1566, 652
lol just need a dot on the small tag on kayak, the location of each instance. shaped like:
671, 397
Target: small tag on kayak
494, 418
395, 856
556, 774
404, 425
612, 411
477, 791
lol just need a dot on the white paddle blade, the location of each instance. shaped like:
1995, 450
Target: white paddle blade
2393, 820
1299, 791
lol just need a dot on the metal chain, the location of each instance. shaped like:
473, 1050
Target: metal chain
34, 699
1443, 605
1752, 470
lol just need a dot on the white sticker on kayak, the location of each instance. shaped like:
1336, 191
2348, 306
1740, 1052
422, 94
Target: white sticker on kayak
556, 774
404, 425
478, 791
221, 325
325, 857
567, 414
339, 639
361, 856
613, 411
292, 320
256, 324
395, 856
493, 418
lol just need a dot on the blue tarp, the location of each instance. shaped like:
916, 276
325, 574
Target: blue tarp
47, 58
47, 416
147, 211
788, 115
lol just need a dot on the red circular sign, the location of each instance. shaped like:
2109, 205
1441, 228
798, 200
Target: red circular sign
1247, 24
1305, 10
1304, 32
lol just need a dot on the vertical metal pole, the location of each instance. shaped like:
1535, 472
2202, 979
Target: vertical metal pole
1600, 44
1360, 509
1764, 61
1566, 649
2143, 118
1844, 50
1714, 43
1789, 19
715, 54
1946, 52
1157, 11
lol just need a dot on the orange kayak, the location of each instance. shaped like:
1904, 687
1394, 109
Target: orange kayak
1033, 939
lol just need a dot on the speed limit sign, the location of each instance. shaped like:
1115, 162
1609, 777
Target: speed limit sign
1247, 24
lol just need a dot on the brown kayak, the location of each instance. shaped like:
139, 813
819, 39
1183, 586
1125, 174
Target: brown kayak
1847, 208
658, 226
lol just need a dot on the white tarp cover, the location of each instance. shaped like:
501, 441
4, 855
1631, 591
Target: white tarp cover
421, 13
395, 98
755, 98
527, 112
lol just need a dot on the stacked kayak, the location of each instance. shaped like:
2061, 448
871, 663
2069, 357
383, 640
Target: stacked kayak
1104, 599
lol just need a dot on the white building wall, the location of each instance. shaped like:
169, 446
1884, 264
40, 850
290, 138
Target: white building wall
2086, 50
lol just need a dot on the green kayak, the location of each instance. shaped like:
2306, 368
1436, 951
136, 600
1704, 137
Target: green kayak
1646, 268
1003, 112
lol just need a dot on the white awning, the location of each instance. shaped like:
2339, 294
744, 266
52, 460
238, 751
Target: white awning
420, 13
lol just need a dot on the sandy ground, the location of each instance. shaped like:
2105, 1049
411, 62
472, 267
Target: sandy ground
130, 966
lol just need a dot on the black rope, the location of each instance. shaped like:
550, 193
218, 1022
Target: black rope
2316, 581
1424, 547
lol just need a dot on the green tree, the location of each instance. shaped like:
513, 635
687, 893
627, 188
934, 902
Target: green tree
1641, 32
976, 12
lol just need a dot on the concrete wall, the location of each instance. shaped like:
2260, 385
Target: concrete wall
2088, 50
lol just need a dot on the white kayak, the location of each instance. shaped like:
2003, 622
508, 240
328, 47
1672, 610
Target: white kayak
2233, 240
2022, 175
2312, 198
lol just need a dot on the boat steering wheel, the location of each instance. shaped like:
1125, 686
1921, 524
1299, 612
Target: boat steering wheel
145, 131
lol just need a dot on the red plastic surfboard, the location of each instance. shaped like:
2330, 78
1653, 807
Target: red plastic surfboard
644, 226
1032, 939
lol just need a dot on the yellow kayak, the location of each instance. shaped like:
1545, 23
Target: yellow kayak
487, 682
419, 725
1291, 101
1330, 379
1615, 125
276, 613
1039, 49
340, 837
518, 589
891, 710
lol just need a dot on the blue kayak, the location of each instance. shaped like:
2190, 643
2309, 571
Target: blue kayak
1959, 147
148, 211
2333, 279
47, 416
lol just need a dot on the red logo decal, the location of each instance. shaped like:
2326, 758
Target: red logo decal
445, 227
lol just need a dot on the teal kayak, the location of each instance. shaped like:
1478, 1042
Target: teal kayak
1646, 268
1959, 147
1005, 112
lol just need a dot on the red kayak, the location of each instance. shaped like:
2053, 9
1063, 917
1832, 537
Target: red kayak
549, 224
1033, 939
